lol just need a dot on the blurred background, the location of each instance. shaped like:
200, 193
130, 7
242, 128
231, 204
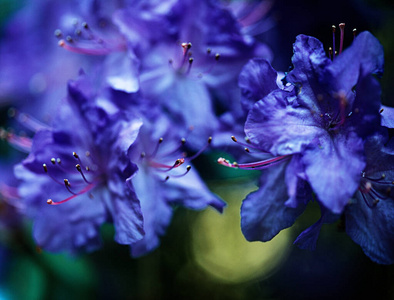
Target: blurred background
204, 254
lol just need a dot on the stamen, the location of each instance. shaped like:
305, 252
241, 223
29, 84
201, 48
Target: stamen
330, 53
186, 47
342, 107
153, 154
26, 120
190, 65
84, 190
246, 146
381, 110
58, 33
78, 166
89, 51
260, 165
333, 40
188, 168
342, 28
20, 143
374, 201
177, 163
68, 186
378, 180
201, 150
354, 33
171, 152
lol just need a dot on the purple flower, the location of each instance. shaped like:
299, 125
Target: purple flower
107, 162
190, 56
315, 128
165, 179
370, 214
326, 118
81, 164
35, 70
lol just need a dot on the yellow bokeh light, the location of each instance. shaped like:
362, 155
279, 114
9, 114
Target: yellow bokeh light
219, 247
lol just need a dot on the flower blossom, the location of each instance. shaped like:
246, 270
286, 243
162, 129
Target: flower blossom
190, 55
315, 128
26, 81
324, 121
106, 163
80, 168
166, 179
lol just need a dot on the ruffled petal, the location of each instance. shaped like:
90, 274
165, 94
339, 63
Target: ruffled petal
122, 72
387, 116
263, 212
155, 209
365, 118
309, 60
335, 162
257, 80
365, 53
298, 188
372, 228
308, 238
127, 216
278, 125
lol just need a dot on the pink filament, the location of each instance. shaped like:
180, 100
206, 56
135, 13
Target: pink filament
83, 191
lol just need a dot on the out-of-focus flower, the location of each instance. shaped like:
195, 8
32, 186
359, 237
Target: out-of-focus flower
165, 179
34, 69
190, 57
81, 169
11, 206
252, 15
97, 164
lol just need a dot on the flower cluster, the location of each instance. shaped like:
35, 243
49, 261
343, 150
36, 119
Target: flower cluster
131, 92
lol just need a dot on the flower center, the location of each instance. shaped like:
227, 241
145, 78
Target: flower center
374, 189
158, 160
332, 51
84, 176
187, 61
257, 165
85, 41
